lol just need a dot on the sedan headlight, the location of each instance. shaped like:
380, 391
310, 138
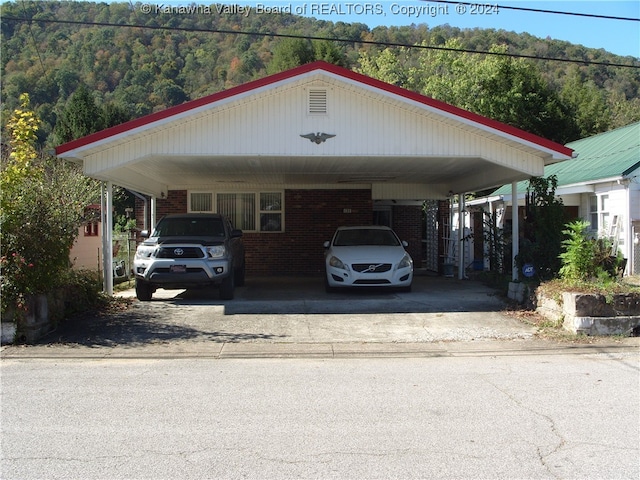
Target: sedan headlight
337, 263
405, 262
216, 251
144, 251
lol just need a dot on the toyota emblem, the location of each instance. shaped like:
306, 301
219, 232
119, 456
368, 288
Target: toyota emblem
179, 252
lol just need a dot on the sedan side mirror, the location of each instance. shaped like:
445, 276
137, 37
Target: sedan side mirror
405, 244
326, 244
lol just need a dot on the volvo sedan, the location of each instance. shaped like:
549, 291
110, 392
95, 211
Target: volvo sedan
367, 256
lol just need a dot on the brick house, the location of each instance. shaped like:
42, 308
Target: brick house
291, 156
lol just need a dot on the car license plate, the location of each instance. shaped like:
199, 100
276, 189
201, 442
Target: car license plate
178, 269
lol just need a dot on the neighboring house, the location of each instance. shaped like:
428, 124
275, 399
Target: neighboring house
601, 185
290, 157
86, 250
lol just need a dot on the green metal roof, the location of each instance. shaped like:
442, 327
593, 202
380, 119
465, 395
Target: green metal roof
611, 154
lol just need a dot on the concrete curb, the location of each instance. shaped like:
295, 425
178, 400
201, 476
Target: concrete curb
230, 351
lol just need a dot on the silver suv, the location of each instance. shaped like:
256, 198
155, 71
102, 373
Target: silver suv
190, 251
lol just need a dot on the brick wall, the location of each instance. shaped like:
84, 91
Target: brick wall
311, 217
407, 223
176, 202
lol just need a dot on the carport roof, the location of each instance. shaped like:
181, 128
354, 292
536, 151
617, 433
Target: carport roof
402, 144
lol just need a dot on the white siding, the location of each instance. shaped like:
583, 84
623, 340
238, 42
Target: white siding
271, 125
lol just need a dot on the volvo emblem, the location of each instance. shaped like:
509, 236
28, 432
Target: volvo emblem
178, 252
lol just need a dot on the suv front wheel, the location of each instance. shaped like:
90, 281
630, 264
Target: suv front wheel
227, 286
144, 291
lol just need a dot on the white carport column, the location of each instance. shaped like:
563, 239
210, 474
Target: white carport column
461, 214
107, 236
152, 224
515, 231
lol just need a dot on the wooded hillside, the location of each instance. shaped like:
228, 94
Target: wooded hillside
167, 59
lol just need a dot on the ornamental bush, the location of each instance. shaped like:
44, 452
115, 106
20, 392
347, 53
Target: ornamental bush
586, 258
41, 208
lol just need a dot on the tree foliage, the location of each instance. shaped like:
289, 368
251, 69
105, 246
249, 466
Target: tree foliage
544, 221
145, 70
43, 200
585, 258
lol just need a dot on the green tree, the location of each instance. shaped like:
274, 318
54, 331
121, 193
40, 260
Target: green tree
80, 117
543, 227
589, 103
509, 90
42, 205
385, 66
290, 53
328, 51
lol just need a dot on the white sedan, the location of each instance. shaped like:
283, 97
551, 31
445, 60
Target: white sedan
367, 256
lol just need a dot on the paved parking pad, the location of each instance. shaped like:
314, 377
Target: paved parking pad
285, 316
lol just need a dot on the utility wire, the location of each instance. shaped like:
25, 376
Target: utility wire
537, 10
307, 37
35, 44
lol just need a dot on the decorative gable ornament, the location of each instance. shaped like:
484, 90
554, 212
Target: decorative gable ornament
318, 138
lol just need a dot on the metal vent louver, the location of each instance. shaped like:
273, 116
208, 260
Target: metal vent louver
317, 102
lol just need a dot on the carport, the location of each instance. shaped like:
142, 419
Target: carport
306, 149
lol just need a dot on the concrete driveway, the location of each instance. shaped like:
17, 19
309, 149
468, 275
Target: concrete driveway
291, 315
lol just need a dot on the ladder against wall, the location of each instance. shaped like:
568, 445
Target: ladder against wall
614, 234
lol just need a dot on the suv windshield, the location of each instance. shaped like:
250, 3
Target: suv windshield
365, 236
190, 227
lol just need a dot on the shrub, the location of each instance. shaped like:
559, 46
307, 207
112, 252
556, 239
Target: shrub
586, 258
41, 207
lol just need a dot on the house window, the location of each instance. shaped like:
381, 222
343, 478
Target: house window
599, 213
201, 202
604, 212
249, 211
91, 229
239, 208
593, 213
271, 212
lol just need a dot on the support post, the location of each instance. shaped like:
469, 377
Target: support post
153, 213
107, 237
515, 232
461, 211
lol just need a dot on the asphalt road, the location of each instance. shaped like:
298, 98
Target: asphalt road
552, 415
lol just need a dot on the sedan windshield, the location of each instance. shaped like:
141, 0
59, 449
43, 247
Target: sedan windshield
365, 236
190, 227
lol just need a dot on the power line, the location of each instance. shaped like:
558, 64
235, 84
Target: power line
538, 10
307, 37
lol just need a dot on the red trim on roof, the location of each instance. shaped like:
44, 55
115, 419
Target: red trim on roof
309, 67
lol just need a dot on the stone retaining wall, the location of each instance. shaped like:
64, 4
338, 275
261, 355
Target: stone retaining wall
593, 314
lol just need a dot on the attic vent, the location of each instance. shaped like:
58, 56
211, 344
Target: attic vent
317, 102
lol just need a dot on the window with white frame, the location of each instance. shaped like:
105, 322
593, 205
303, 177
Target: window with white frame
599, 213
248, 211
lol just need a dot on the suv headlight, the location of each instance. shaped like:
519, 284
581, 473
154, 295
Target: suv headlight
144, 251
405, 262
216, 251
